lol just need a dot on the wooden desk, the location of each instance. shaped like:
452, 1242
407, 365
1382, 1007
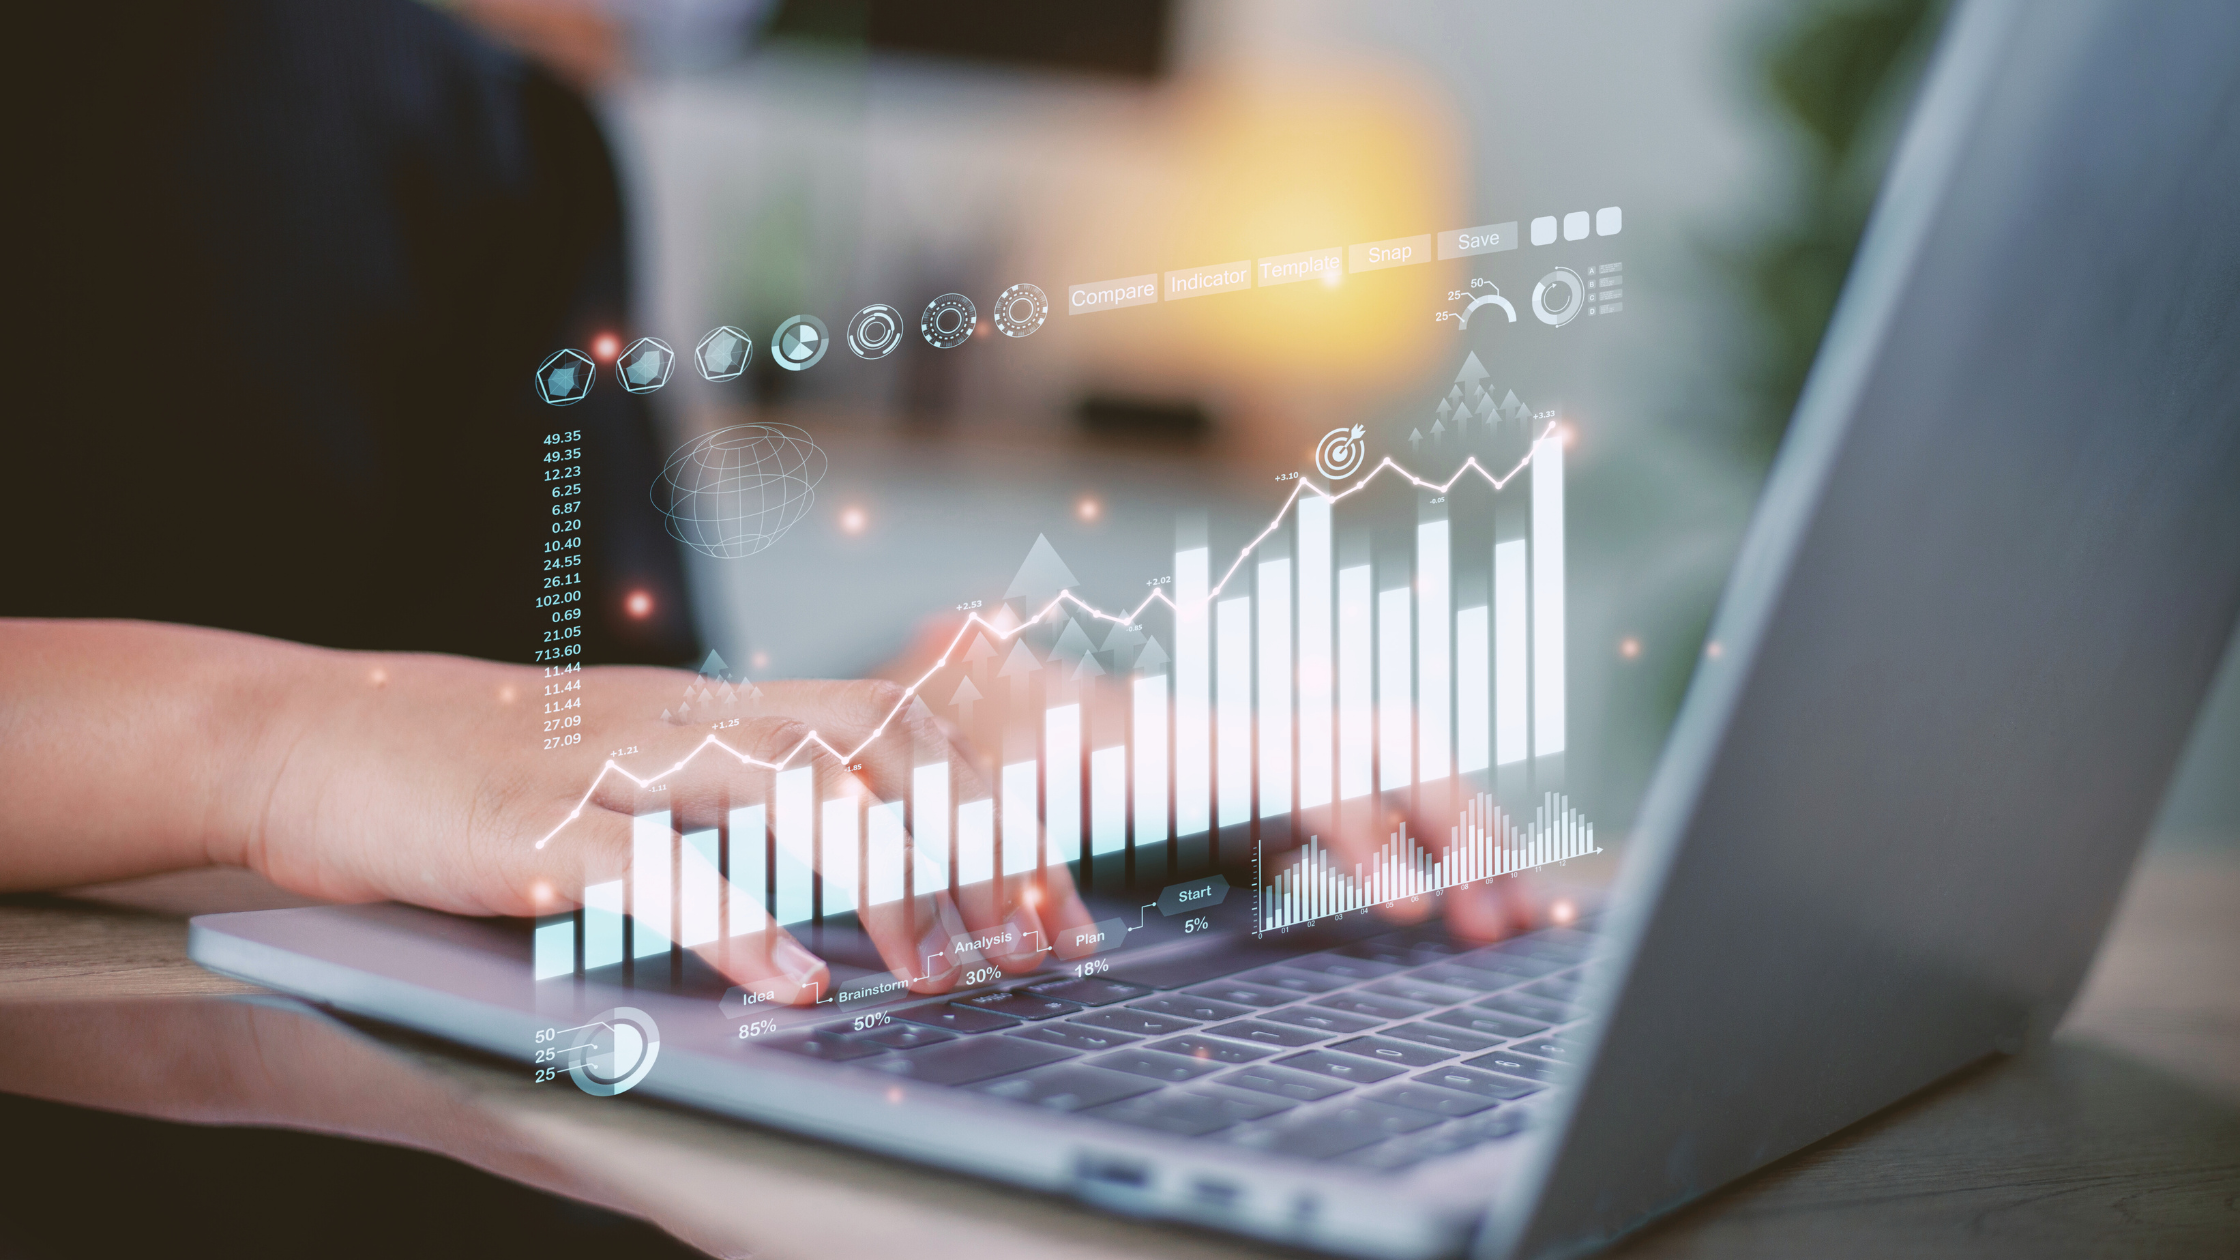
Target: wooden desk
2121, 1138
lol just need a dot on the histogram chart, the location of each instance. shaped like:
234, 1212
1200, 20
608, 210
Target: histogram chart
1311, 677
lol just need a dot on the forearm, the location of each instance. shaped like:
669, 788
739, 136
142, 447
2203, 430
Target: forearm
128, 748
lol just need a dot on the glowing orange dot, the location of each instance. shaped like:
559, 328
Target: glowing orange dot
760, 660
1034, 896
1088, 509
605, 345
1629, 647
542, 892
1714, 650
506, 695
379, 678
1563, 912
639, 605
853, 520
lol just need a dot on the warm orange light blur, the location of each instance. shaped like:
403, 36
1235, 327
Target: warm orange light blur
506, 695
1629, 647
379, 678
541, 892
1563, 912
760, 660
639, 605
1714, 650
853, 520
1088, 509
604, 346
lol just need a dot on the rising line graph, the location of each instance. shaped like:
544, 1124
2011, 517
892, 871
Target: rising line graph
815, 740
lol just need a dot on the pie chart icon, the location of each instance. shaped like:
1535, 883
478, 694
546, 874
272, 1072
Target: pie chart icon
800, 342
615, 1051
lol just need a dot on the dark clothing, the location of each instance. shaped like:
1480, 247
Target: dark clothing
291, 267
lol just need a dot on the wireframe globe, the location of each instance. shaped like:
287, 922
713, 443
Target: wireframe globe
738, 490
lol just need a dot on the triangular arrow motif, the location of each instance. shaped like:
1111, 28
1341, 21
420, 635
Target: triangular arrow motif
714, 667
1042, 575
1123, 637
1472, 370
965, 693
1020, 663
1153, 656
1072, 644
1088, 668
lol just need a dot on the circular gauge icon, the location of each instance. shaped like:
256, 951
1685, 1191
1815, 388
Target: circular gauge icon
1021, 309
947, 321
799, 343
615, 1051
1559, 295
875, 331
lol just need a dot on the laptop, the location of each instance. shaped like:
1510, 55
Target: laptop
1976, 609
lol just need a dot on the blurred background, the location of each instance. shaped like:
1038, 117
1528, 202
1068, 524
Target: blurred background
790, 156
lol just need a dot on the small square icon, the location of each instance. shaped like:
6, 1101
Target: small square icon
1544, 230
1609, 221
1575, 226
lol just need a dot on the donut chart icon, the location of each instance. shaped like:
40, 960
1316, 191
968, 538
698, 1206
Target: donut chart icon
1557, 298
947, 321
1020, 310
799, 343
875, 331
615, 1051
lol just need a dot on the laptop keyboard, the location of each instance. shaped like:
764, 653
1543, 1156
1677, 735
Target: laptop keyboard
1379, 1054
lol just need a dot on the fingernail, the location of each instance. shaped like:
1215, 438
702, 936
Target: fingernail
933, 954
1027, 941
799, 964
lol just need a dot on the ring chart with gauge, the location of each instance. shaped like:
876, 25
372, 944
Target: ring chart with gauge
947, 321
1020, 310
875, 331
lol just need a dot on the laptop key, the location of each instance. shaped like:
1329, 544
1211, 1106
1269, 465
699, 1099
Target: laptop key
1254, 1032
955, 1018
1452, 1040
1283, 1082
969, 1060
1243, 994
826, 1046
1325, 1134
1019, 1004
907, 1037
1519, 1004
1460, 977
1191, 1112
1211, 1048
1410, 989
1554, 1049
1330, 1023
1509, 1063
1432, 1099
1342, 967
1159, 1066
1090, 991
1403, 1053
1185, 1006
1516, 965
1295, 981
1340, 1067
1484, 1084
1355, 1002
1068, 1087
1074, 1037
1130, 1020
1490, 1023
1555, 988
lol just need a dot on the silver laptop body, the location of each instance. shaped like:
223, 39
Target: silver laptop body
1993, 571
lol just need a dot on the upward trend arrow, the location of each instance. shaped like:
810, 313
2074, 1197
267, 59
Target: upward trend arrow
1011, 631
963, 699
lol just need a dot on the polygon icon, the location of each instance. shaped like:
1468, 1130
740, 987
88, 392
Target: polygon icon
566, 378
645, 366
724, 354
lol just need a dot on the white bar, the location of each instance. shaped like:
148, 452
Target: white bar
602, 924
1275, 688
1108, 800
1473, 692
1151, 759
1510, 729
750, 870
1547, 597
1061, 751
699, 889
1356, 708
1021, 852
1316, 684
795, 815
1233, 708
884, 858
1395, 685
652, 873
843, 855
1434, 677
976, 842
554, 950
929, 829
1193, 754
